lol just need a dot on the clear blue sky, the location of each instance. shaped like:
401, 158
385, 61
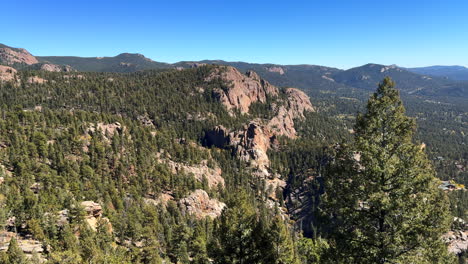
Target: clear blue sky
335, 33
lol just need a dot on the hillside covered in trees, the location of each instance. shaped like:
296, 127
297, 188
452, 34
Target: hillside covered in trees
199, 165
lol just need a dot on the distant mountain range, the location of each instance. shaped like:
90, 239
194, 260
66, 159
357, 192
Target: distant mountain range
431, 81
451, 72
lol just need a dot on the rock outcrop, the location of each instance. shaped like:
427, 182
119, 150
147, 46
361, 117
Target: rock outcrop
244, 90
252, 144
162, 199
55, 68
199, 204
296, 105
199, 171
29, 246
457, 241
36, 79
11, 56
7, 73
94, 215
277, 69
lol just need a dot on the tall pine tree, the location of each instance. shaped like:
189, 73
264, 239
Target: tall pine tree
381, 191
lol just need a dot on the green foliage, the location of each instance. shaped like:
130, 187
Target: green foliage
381, 193
14, 254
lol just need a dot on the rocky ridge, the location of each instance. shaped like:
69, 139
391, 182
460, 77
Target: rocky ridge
252, 142
11, 56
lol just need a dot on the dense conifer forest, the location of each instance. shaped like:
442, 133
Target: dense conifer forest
108, 138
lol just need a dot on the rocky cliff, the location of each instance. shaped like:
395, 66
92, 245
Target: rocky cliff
252, 142
244, 89
199, 204
11, 56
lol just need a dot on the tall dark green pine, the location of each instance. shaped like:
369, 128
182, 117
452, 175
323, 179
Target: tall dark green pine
381, 191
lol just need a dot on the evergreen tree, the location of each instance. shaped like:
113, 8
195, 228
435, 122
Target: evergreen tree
282, 246
15, 254
234, 240
381, 191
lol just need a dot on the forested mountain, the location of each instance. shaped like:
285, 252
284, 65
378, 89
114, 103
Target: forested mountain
450, 72
200, 163
125, 62
429, 81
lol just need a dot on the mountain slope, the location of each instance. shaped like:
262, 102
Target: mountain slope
310, 78
125, 62
14, 56
368, 76
459, 73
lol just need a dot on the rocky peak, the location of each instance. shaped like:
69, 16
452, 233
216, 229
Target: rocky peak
12, 56
297, 104
244, 90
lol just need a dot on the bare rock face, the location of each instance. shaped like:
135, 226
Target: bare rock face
250, 88
252, 145
55, 68
36, 79
278, 70
27, 245
7, 73
245, 89
94, 215
194, 64
199, 204
107, 130
12, 56
199, 171
457, 241
162, 199
92, 208
297, 104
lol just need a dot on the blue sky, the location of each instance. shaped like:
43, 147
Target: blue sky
342, 34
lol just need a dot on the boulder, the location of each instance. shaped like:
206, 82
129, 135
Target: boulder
94, 215
92, 208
